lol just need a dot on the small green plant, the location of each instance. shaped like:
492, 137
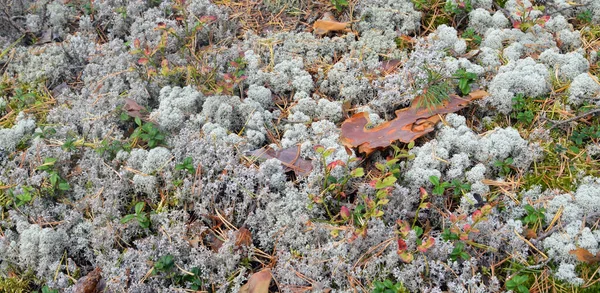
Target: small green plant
188, 165
435, 90
339, 4
465, 79
535, 217
109, 149
581, 136
522, 109
388, 286
148, 132
585, 16
24, 197
164, 264
140, 216
47, 289
472, 37
438, 187
459, 187
195, 280
504, 166
517, 284
460, 7
458, 252
45, 132
57, 182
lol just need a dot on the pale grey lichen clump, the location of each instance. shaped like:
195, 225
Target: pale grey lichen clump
524, 76
11, 137
457, 152
175, 103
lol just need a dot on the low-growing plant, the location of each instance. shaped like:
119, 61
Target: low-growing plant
188, 165
435, 91
472, 38
148, 133
518, 284
465, 79
339, 4
387, 286
504, 166
460, 188
438, 187
535, 217
56, 181
461, 228
140, 216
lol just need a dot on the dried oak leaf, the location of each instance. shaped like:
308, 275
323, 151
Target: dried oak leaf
329, 24
133, 108
258, 282
585, 255
410, 124
290, 159
91, 283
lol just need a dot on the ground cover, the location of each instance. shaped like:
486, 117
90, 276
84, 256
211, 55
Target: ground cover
299, 146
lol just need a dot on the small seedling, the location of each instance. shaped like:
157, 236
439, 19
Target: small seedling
165, 263
438, 187
148, 133
517, 284
388, 286
140, 216
56, 181
505, 166
534, 216
339, 4
188, 165
458, 252
465, 79
459, 187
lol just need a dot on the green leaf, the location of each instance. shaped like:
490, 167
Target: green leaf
139, 207
418, 231
385, 182
127, 218
435, 180
138, 121
64, 186
358, 172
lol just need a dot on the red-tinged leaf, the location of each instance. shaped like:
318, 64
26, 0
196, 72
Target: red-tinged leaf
426, 244
404, 227
516, 24
142, 61
345, 213
406, 257
290, 159
258, 282
136, 43
402, 247
208, 18
334, 164
161, 25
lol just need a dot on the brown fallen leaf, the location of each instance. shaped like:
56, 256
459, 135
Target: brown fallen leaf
290, 159
133, 108
329, 24
389, 66
585, 255
244, 237
410, 124
258, 282
91, 283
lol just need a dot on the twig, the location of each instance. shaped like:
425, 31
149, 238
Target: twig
560, 122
